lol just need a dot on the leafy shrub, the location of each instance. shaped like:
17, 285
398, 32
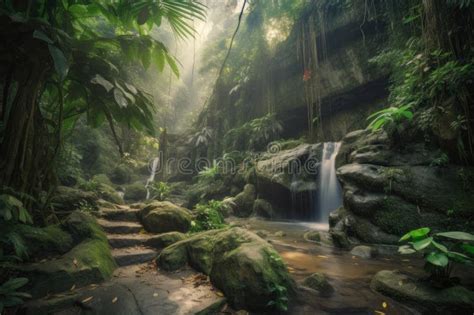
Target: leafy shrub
12, 213
441, 251
9, 296
208, 217
209, 173
390, 118
159, 190
255, 134
120, 175
89, 185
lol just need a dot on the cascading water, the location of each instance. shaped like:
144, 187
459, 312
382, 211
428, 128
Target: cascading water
150, 180
330, 193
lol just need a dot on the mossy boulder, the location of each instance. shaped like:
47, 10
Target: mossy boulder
263, 208
452, 300
312, 236
164, 240
89, 262
120, 175
68, 198
102, 179
241, 264
243, 202
42, 242
135, 192
108, 193
318, 281
164, 216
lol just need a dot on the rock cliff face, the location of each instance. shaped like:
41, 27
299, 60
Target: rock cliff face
349, 87
389, 191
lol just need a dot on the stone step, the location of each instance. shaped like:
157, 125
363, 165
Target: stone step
119, 227
133, 255
129, 215
127, 240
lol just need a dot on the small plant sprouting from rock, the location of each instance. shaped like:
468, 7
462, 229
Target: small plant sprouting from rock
390, 118
441, 251
280, 299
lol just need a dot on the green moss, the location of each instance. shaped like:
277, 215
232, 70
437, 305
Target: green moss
103, 179
108, 193
82, 225
120, 175
45, 241
135, 192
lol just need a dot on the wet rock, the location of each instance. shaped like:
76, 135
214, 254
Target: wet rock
68, 198
164, 240
363, 251
239, 263
263, 208
318, 281
263, 234
280, 234
244, 201
162, 217
340, 239
452, 300
313, 236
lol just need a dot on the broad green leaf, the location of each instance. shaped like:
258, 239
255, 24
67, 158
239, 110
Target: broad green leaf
468, 249
78, 10
13, 284
98, 79
60, 62
415, 235
439, 246
406, 249
422, 244
42, 36
461, 236
438, 259
172, 64
120, 98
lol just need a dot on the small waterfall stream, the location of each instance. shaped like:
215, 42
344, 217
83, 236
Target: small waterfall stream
330, 193
150, 180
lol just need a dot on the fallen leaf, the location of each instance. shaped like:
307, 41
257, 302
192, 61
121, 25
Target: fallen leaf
379, 312
384, 305
74, 262
115, 299
87, 299
218, 293
155, 294
72, 288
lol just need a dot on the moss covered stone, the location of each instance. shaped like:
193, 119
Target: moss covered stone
89, 262
243, 202
245, 267
68, 198
318, 281
164, 240
42, 242
164, 216
108, 193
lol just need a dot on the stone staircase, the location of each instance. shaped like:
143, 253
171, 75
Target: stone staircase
125, 235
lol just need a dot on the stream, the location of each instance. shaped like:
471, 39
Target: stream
349, 275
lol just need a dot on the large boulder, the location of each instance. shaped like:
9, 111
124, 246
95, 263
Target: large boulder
263, 208
69, 199
285, 176
241, 264
401, 287
164, 240
164, 216
46, 241
243, 203
135, 192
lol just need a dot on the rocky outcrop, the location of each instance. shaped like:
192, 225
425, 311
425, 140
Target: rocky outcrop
245, 267
389, 191
164, 240
69, 199
90, 261
263, 208
242, 204
164, 216
287, 179
451, 300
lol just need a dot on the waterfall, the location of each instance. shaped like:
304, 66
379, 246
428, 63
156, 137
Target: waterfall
152, 176
330, 193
